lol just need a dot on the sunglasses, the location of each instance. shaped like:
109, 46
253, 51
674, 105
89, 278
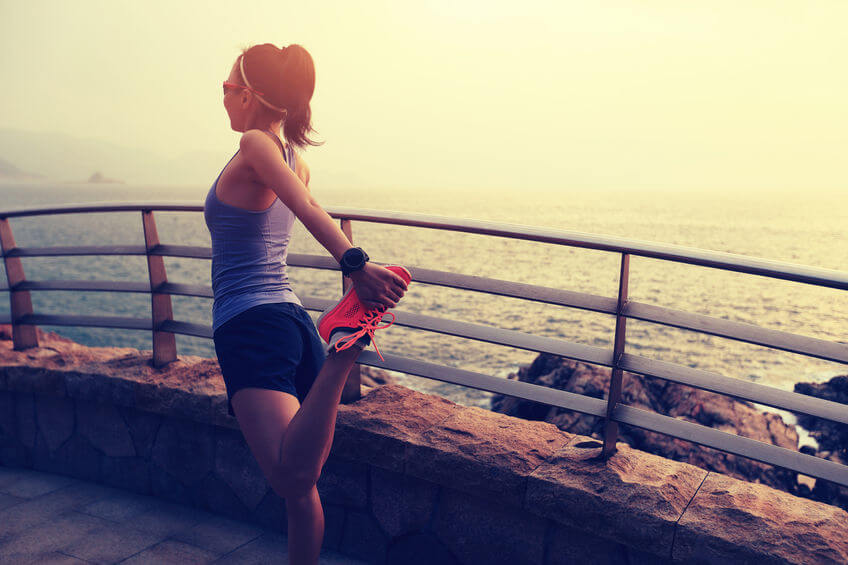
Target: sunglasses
228, 84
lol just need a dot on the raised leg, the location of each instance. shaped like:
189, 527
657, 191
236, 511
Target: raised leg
309, 437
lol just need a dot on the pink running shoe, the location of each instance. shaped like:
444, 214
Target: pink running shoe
349, 322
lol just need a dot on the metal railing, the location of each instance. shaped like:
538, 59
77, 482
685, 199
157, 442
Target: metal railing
164, 326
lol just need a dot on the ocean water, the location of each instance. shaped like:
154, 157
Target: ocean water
804, 227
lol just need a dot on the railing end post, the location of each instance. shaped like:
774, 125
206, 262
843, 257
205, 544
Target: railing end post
23, 337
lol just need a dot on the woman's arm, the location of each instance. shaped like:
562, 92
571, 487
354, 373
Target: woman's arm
375, 285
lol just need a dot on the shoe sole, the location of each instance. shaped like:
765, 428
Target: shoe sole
399, 270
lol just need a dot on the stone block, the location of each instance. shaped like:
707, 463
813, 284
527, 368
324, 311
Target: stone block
483, 452
35, 380
633, 497
166, 396
236, 466
478, 530
567, 546
143, 427
401, 503
419, 548
96, 387
344, 482
55, 416
166, 486
735, 521
376, 428
25, 416
220, 415
104, 427
8, 427
45, 460
77, 458
185, 449
215, 495
334, 522
270, 513
362, 537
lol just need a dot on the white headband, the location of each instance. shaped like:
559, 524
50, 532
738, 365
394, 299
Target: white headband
260, 98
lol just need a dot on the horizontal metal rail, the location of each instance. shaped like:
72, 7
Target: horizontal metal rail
737, 388
676, 253
76, 250
117, 322
527, 391
166, 326
732, 443
100, 286
700, 323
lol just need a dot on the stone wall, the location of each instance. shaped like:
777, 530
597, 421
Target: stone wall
412, 478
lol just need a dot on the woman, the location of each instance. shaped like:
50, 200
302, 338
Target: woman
267, 346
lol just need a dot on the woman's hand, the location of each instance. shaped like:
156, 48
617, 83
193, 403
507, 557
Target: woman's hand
377, 286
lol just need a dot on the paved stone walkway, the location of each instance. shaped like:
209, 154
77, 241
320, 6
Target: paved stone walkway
54, 519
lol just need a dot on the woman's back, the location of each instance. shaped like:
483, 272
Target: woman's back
249, 249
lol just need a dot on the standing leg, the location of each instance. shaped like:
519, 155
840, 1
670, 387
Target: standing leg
305, 527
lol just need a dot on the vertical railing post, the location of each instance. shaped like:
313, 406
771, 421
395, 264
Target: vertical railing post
611, 427
352, 389
23, 336
164, 343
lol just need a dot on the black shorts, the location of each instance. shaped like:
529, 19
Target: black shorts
273, 346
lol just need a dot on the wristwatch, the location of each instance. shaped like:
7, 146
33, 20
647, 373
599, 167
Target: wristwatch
353, 260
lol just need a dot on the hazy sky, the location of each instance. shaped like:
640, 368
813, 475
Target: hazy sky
475, 93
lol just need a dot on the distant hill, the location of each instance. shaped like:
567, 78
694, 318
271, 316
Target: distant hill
64, 158
10, 172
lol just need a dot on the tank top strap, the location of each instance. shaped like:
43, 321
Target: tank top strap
288, 153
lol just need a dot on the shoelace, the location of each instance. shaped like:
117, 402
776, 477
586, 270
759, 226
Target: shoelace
368, 325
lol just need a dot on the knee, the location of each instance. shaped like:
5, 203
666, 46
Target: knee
293, 482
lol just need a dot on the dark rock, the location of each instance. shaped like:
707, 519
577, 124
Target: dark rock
372, 376
832, 437
658, 395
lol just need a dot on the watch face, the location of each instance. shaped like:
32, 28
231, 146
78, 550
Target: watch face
353, 258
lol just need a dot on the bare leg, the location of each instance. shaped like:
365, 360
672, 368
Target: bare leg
309, 436
305, 528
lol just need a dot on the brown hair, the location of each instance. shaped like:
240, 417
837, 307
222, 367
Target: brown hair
286, 78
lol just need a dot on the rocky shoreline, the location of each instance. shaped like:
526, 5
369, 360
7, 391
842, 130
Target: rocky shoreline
693, 405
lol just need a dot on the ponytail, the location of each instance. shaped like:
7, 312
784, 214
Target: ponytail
286, 77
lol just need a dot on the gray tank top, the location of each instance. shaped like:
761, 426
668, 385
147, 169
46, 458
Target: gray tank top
249, 251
